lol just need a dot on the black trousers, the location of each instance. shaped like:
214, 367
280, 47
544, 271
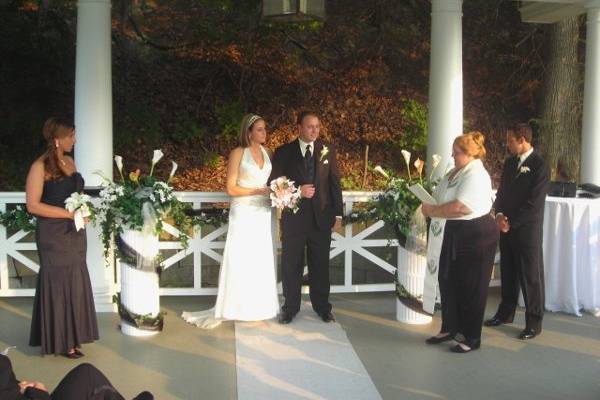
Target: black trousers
315, 244
522, 267
85, 382
466, 263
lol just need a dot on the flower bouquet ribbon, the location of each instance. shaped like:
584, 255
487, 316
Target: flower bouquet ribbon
80, 204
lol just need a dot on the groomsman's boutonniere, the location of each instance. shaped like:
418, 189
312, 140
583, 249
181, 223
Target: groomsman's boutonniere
324, 152
523, 170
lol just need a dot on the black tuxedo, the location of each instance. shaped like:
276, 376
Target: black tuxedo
310, 227
521, 198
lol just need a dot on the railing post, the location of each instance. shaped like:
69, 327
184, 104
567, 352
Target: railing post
3, 254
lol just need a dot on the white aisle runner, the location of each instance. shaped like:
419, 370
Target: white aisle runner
307, 359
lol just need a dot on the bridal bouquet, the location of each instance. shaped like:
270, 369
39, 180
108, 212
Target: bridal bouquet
81, 205
284, 194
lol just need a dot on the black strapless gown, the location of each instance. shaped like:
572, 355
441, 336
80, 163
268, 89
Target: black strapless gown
63, 315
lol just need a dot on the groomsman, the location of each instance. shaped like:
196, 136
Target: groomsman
519, 210
312, 166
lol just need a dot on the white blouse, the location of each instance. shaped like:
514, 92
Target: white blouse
472, 186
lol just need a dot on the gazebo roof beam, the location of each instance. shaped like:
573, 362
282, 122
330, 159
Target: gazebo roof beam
550, 11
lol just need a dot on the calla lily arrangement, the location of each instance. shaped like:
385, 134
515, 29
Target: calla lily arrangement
397, 205
141, 202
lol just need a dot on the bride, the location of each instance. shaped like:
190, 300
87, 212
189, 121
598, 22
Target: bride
247, 281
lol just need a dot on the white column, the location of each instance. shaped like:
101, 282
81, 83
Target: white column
445, 80
590, 136
93, 90
93, 123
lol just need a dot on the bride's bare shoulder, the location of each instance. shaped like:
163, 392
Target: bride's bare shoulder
237, 152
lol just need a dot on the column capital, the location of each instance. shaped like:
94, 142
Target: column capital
446, 6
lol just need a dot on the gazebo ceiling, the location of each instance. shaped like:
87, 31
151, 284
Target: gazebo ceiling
550, 11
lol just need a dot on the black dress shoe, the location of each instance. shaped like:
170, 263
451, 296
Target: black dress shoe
439, 339
327, 316
528, 333
285, 317
495, 322
470, 346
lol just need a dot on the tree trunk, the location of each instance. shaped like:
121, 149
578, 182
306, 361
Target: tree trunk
561, 104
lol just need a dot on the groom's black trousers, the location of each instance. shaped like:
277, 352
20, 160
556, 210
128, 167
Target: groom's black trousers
315, 244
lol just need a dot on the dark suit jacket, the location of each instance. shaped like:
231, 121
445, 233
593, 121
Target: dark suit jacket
327, 202
522, 195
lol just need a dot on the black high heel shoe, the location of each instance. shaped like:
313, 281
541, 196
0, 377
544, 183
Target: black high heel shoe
470, 344
439, 339
73, 356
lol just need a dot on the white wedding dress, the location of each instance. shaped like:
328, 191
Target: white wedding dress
247, 279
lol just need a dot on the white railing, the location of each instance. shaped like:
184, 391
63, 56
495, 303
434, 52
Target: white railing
360, 251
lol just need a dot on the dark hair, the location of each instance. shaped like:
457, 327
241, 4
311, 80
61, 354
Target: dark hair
303, 114
54, 128
472, 144
522, 130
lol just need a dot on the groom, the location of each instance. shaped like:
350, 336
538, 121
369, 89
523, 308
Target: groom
312, 166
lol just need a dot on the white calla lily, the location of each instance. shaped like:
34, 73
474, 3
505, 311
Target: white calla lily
158, 154
406, 155
381, 171
173, 169
119, 162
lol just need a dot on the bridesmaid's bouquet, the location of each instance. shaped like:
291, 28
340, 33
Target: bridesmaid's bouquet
284, 194
81, 205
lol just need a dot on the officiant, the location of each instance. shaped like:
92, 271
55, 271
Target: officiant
461, 245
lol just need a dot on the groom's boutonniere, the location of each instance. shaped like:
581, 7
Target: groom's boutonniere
523, 170
324, 152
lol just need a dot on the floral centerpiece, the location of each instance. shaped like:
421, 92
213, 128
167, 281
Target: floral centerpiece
396, 205
134, 212
398, 208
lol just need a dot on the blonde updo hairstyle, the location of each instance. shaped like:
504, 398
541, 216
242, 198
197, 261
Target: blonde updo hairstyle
472, 144
247, 123
54, 128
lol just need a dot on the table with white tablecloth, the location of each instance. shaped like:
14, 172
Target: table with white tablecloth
572, 254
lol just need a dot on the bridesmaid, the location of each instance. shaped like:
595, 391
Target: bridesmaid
63, 315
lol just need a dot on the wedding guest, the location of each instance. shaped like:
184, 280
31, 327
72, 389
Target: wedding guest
519, 208
462, 243
84, 382
63, 315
